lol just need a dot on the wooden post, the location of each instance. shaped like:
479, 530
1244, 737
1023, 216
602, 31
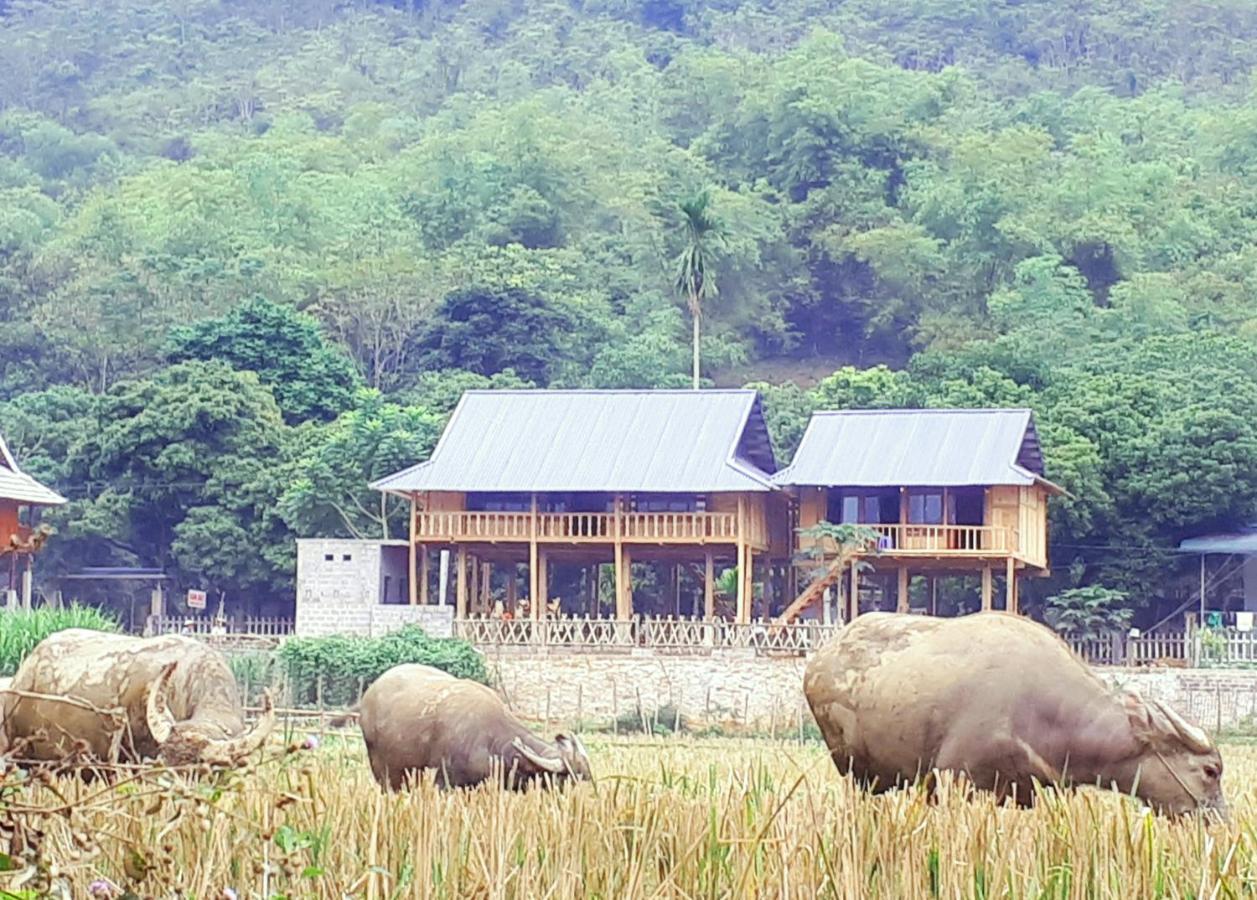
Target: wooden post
748, 577
511, 598
901, 601
709, 587
532, 561
742, 605
486, 586
473, 589
1010, 586
543, 585
424, 599
414, 569
618, 565
460, 598
627, 581
855, 590
986, 587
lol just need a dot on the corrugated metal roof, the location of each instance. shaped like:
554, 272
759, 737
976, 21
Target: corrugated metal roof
1239, 543
600, 441
17, 485
917, 447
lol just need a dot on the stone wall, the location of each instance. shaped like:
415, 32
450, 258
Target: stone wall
372, 620
738, 688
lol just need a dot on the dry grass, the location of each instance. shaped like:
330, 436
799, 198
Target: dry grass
674, 818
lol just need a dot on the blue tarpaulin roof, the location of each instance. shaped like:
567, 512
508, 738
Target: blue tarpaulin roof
1241, 542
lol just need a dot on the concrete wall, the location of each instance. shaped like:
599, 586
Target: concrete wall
738, 688
339, 586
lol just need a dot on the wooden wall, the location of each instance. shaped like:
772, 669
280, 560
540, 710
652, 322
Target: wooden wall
1032, 525
8, 521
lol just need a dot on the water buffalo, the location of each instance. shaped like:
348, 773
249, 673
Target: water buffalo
416, 717
1003, 700
112, 697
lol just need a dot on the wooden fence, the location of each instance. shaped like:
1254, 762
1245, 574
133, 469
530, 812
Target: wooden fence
1199, 647
668, 634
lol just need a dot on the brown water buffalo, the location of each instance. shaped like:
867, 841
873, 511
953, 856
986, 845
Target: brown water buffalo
1003, 700
415, 718
112, 697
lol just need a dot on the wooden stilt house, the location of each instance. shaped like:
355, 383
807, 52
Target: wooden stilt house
21, 499
947, 492
522, 482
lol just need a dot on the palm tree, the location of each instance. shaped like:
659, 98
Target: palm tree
704, 236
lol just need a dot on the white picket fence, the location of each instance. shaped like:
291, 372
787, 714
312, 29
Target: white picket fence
1200, 647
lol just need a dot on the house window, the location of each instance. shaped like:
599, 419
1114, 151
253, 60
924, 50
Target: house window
925, 508
329, 557
346, 558
873, 507
499, 503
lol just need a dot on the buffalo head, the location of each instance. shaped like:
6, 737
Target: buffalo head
570, 762
201, 739
1179, 770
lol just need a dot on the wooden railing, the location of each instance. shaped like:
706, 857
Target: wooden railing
659, 634
207, 626
942, 540
694, 527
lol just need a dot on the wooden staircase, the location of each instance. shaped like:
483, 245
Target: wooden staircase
831, 576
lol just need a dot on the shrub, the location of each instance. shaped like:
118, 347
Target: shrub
348, 664
20, 631
1088, 612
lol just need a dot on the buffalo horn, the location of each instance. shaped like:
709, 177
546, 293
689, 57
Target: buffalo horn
553, 766
1193, 736
161, 724
233, 750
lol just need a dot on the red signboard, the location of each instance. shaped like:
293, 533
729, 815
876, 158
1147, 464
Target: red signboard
196, 599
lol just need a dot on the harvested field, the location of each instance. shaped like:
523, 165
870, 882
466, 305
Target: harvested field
666, 818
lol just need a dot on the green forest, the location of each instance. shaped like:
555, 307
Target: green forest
252, 251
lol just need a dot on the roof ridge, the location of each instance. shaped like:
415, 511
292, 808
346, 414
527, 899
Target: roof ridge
608, 392
916, 410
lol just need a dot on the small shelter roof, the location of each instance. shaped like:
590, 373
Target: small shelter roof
1242, 542
667, 441
19, 487
918, 448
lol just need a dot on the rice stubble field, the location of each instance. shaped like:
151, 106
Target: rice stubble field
674, 817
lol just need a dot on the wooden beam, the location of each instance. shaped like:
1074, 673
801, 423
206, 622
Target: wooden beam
532, 561
855, 590
424, 599
901, 601
414, 569
986, 587
460, 597
709, 587
1010, 585
543, 584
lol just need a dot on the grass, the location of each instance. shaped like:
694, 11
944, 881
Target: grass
21, 630
667, 818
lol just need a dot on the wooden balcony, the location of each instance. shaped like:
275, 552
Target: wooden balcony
580, 528
945, 540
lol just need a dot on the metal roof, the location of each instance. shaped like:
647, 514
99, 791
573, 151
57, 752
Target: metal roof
1240, 543
918, 447
598, 441
18, 486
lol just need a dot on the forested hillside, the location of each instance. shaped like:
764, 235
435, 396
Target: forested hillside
251, 251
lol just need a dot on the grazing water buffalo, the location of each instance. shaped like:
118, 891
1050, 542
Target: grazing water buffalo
114, 697
416, 717
1003, 700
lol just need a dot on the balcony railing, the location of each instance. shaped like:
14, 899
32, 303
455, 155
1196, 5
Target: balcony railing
945, 540
577, 528
676, 635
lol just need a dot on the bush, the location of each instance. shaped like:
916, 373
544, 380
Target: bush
349, 664
20, 631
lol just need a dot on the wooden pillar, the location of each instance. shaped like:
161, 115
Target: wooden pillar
854, 599
709, 587
1010, 586
901, 601
543, 584
621, 605
473, 589
486, 587
460, 597
414, 549
533, 588
986, 587
423, 575
742, 613
511, 599
626, 582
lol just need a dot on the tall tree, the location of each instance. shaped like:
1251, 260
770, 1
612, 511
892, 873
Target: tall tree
704, 238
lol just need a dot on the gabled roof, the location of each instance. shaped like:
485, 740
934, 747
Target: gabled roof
918, 448
16, 485
598, 441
